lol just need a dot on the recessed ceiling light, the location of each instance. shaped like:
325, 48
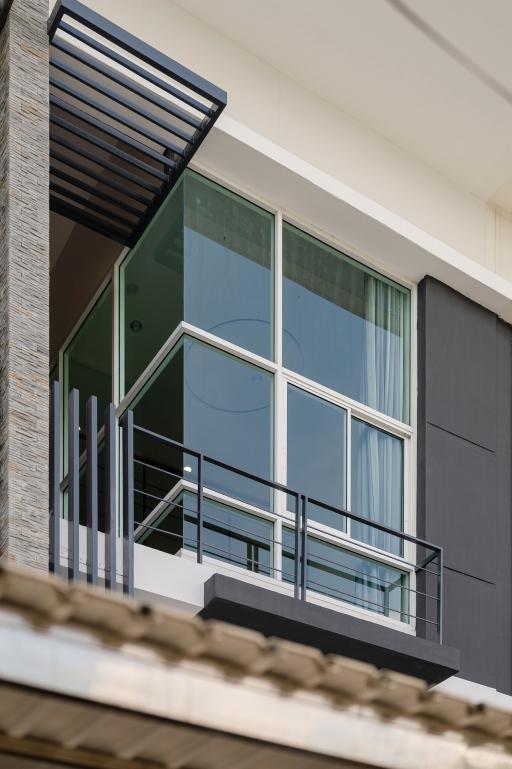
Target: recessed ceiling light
187, 469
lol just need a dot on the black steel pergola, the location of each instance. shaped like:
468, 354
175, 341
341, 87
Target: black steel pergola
125, 121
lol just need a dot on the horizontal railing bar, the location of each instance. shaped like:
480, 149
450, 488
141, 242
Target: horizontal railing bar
407, 614
192, 540
209, 518
427, 571
87, 203
355, 598
135, 68
326, 561
169, 502
83, 169
70, 211
165, 439
81, 185
272, 541
237, 471
123, 120
158, 469
116, 169
131, 85
280, 487
114, 96
273, 569
373, 524
428, 560
75, 130
157, 499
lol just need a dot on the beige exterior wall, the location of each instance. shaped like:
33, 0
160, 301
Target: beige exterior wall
282, 111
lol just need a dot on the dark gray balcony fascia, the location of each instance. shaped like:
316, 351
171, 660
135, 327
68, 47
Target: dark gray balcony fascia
274, 614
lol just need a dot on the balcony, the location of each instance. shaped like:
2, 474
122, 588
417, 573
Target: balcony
257, 549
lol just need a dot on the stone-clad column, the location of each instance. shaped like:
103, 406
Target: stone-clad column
24, 279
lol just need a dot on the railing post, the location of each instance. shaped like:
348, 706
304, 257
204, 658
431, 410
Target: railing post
92, 489
73, 485
110, 497
304, 549
440, 597
200, 508
54, 548
296, 575
128, 484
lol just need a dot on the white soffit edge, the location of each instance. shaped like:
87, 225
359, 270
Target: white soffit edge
361, 226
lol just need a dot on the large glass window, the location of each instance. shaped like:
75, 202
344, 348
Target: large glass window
329, 418
229, 535
317, 453
350, 577
344, 325
88, 358
377, 484
216, 403
207, 259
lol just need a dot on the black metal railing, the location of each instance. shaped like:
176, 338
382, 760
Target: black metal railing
177, 499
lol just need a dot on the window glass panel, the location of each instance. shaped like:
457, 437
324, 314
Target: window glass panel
345, 326
151, 289
215, 403
206, 258
229, 246
229, 535
377, 484
349, 577
317, 440
88, 359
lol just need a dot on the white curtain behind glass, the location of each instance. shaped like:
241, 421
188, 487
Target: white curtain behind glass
377, 460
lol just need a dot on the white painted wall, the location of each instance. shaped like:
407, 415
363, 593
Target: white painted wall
314, 130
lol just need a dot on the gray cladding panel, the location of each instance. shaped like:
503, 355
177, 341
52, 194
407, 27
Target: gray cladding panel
460, 365
465, 473
470, 625
504, 509
461, 503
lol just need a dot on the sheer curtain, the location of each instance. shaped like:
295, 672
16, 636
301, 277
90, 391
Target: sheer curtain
377, 456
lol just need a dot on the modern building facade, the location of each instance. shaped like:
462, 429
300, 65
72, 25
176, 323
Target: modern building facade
255, 319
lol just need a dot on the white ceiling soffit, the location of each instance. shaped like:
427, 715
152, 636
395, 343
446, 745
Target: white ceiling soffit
434, 77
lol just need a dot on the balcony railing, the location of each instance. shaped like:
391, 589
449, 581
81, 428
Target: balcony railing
177, 499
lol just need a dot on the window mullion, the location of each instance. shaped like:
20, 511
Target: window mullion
348, 470
278, 289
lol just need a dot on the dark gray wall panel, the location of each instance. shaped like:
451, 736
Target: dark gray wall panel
504, 509
464, 473
461, 503
460, 365
470, 625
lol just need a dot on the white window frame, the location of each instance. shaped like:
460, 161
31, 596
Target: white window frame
282, 378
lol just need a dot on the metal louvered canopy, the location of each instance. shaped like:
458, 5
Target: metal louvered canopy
125, 120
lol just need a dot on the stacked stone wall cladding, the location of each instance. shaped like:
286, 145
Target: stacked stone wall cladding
24, 284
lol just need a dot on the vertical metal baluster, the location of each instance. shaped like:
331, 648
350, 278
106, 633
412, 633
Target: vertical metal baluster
128, 481
296, 574
54, 550
73, 485
304, 548
92, 489
110, 497
200, 508
440, 597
